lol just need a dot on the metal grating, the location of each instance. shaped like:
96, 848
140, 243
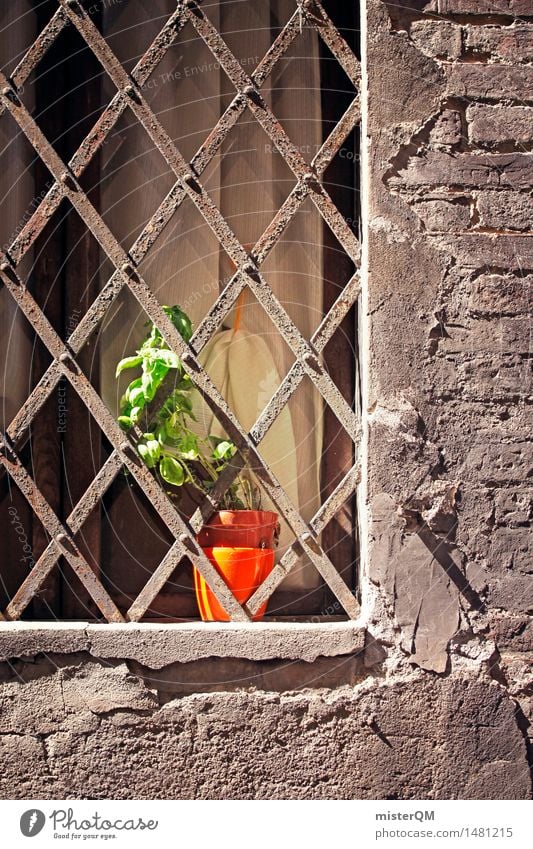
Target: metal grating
188, 184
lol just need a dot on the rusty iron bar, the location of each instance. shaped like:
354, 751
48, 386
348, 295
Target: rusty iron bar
218, 311
208, 209
94, 140
342, 492
156, 582
336, 43
98, 134
37, 50
210, 504
74, 522
94, 493
294, 376
63, 541
110, 428
272, 127
114, 286
329, 149
281, 396
337, 312
210, 214
265, 477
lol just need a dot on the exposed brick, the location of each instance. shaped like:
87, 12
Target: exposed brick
437, 168
481, 7
495, 294
513, 506
505, 335
491, 125
513, 253
513, 592
451, 378
441, 39
499, 462
490, 82
443, 216
514, 633
448, 129
485, 377
512, 44
511, 548
505, 210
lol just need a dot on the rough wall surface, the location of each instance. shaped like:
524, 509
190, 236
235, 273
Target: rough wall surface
439, 703
75, 727
451, 259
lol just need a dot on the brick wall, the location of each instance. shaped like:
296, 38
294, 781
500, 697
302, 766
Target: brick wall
451, 262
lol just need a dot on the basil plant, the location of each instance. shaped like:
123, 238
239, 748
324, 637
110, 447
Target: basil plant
157, 410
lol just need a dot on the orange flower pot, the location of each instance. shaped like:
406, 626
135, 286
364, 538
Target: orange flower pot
240, 545
243, 570
240, 528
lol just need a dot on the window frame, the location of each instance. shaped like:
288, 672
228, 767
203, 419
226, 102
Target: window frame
124, 265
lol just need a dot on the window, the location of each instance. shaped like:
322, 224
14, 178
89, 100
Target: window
203, 154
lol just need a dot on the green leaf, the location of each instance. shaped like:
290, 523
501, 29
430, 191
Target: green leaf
224, 450
180, 320
135, 414
166, 358
125, 401
185, 384
171, 471
188, 447
125, 422
150, 452
128, 362
154, 373
136, 397
182, 402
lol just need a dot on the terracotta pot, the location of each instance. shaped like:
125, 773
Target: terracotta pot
240, 545
243, 570
248, 528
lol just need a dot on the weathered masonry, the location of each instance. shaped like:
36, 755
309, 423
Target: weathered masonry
413, 678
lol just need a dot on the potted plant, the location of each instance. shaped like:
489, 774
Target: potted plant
157, 410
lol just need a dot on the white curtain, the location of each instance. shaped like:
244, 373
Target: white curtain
249, 181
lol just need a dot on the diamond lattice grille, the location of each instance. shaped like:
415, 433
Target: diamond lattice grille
188, 184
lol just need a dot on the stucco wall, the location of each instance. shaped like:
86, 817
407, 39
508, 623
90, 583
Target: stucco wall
437, 704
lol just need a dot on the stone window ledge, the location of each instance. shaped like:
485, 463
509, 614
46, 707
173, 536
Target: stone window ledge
155, 645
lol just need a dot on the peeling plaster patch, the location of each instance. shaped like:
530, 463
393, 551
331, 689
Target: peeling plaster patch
392, 232
415, 560
412, 573
436, 506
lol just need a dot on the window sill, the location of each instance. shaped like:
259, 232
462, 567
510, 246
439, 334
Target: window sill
156, 645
